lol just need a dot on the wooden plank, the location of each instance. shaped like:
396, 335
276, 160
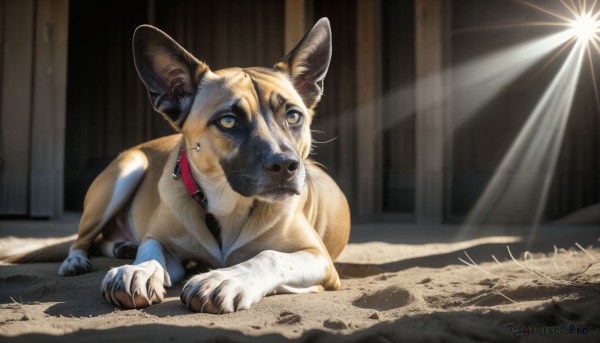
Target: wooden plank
448, 139
49, 109
295, 23
430, 110
16, 105
335, 114
369, 108
398, 114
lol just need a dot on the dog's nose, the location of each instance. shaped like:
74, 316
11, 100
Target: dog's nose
281, 165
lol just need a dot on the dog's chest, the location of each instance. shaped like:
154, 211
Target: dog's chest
229, 227
229, 211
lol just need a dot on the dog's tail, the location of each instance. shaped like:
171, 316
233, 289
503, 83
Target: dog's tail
41, 250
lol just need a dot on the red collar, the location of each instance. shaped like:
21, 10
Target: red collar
182, 167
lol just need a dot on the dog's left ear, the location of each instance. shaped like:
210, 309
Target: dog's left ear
169, 72
308, 62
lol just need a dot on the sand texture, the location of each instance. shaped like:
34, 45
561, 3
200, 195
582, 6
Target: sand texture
390, 293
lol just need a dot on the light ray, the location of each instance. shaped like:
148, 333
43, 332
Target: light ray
593, 74
559, 16
572, 8
553, 58
510, 26
480, 80
520, 186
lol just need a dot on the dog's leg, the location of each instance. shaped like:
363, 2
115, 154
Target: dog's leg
105, 197
240, 286
143, 283
117, 239
120, 249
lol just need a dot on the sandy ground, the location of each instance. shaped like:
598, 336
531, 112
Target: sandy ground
391, 292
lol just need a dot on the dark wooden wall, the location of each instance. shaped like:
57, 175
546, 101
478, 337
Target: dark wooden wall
226, 33
577, 181
107, 107
333, 126
335, 121
398, 20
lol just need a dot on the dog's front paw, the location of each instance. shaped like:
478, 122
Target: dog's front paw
135, 286
221, 291
76, 263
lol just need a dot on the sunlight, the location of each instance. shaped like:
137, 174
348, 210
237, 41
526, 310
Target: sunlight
481, 79
586, 27
520, 186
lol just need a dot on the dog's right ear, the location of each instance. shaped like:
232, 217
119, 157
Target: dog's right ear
308, 62
169, 72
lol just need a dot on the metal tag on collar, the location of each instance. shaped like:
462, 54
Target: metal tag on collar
177, 169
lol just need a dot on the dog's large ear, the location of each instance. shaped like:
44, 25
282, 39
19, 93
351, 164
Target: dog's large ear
308, 62
169, 72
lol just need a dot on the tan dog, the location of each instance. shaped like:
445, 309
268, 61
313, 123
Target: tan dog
264, 217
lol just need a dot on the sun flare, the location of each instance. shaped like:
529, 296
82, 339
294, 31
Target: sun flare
585, 27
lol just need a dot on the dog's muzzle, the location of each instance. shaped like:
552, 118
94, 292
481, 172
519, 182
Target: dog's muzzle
281, 167
285, 173
272, 177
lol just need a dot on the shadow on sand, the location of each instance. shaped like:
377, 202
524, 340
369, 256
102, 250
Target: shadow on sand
568, 321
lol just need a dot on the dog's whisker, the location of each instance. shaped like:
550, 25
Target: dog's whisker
222, 190
215, 177
262, 215
324, 142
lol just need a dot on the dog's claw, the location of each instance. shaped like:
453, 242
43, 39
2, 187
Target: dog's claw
218, 292
134, 286
74, 265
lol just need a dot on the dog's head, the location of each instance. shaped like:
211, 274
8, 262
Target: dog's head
252, 124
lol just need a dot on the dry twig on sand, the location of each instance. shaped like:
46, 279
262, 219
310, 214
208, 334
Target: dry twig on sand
25, 314
572, 282
473, 264
531, 270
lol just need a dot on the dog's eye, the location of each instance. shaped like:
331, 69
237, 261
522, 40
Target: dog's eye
293, 118
227, 122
